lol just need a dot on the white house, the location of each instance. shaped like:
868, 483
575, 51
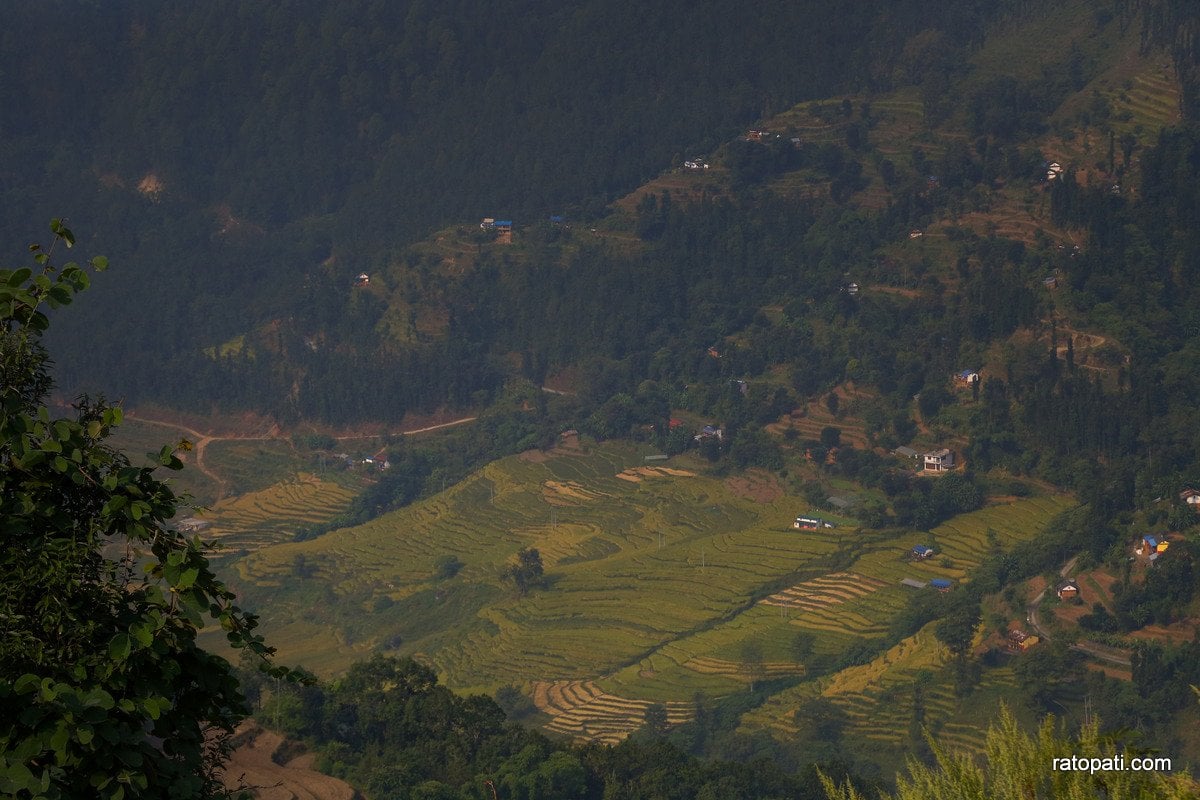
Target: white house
939, 460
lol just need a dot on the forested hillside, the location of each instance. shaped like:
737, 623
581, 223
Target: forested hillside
244, 164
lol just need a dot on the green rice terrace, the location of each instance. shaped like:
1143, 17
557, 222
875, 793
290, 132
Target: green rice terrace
661, 582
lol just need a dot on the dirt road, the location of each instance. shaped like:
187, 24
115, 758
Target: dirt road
200, 441
1091, 649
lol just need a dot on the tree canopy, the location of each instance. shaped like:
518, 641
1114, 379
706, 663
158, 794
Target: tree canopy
104, 691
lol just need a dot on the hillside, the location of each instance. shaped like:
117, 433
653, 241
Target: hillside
737, 293
661, 583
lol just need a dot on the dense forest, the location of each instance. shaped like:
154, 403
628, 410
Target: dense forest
243, 165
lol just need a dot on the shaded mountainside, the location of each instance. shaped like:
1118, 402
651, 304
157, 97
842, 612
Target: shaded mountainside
243, 165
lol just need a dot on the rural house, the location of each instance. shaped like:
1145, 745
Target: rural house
504, 231
362, 280
1151, 545
906, 452
810, 523
1192, 498
1019, 641
913, 583
967, 377
710, 432
939, 460
941, 584
922, 552
1067, 590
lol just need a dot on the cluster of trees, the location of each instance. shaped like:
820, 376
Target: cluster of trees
388, 727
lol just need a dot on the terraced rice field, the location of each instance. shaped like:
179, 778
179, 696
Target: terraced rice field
276, 513
582, 710
635, 556
657, 585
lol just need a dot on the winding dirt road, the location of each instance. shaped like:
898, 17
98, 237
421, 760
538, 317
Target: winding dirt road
200, 441
1096, 651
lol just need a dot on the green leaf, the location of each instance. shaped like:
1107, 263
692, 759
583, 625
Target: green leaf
188, 578
58, 742
26, 683
143, 633
119, 647
100, 263
19, 276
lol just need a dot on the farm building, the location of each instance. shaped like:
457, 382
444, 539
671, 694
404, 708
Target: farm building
1151, 545
1067, 590
362, 280
811, 523
1192, 498
1019, 641
710, 432
914, 583
1050, 282
842, 502
906, 452
504, 231
941, 584
939, 460
487, 223
922, 552
192, 524
967, 377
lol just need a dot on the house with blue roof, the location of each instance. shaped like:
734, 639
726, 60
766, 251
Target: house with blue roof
1152, 544
967, 376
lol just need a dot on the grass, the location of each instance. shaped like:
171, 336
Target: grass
252, 465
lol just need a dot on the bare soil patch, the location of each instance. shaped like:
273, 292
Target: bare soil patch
756, 485
253, 765
638, 474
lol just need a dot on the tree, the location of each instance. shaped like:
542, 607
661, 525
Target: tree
527, 572
104, 691
656, 722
